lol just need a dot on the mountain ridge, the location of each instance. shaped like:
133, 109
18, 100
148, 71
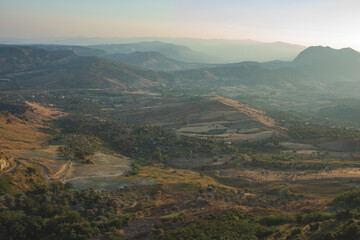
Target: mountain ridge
176, 52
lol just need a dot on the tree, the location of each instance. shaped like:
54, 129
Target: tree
165, 159
157, 154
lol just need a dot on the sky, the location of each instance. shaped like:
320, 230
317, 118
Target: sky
308, 22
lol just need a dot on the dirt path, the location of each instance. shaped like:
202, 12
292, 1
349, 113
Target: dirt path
63, 172
46, 174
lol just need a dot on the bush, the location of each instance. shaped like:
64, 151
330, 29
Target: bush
316, 217
276, 220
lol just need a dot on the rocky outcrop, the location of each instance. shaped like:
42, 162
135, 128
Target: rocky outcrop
5, 160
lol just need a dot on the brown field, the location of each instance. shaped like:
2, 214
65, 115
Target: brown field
216, 117
297, 146
324, 148
198, 161
320, 189
339, 145
40, 114
264, 175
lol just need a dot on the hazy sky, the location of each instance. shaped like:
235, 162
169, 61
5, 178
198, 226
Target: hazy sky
309, 22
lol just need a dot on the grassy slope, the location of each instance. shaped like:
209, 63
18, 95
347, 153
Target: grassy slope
174, 176
24, 177
17, 134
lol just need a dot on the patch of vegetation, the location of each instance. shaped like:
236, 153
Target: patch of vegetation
81, 147
275, 220
172, 215
17, 108
53, 211
350, 199
135, 167
136, 141
5, 184
228, 227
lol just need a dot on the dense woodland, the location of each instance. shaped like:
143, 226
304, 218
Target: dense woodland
55, 211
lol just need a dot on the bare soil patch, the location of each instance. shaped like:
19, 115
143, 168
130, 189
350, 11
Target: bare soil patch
106, 173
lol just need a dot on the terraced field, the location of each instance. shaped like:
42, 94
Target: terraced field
204, 117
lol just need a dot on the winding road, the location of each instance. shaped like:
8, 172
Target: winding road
45, 169
11, 170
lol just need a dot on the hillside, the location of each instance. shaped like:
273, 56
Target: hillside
252, 76
87, 72
17, 134
20, 123
153, 60
36, 68
16, 58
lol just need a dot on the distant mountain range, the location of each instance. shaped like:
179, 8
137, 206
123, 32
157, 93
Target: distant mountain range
316, 68
151, 55
177, 52
246, 50
222, 51
81, 50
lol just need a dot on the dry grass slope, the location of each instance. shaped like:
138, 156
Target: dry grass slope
17, 134
160, 174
